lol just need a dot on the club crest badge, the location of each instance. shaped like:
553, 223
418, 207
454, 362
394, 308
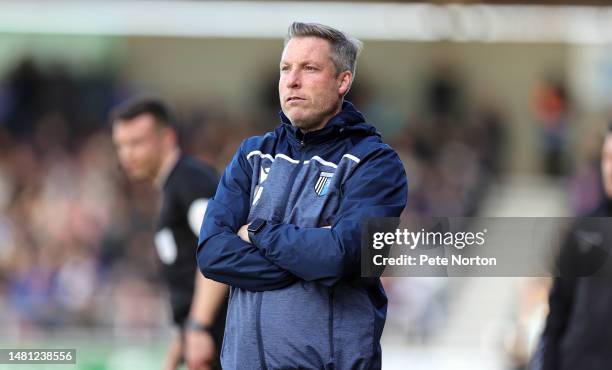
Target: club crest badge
321, 187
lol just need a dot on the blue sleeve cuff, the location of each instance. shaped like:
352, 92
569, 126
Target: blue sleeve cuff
255, 238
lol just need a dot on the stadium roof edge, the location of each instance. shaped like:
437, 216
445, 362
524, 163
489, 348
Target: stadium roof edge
269, 19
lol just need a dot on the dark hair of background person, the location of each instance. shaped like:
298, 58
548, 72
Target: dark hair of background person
137, 106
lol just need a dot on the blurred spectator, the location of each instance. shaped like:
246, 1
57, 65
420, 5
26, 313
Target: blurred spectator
585, 185
444, 93
551, 108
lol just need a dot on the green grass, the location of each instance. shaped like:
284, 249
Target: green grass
98, 355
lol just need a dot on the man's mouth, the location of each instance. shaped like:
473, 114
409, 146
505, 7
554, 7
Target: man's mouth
294, 98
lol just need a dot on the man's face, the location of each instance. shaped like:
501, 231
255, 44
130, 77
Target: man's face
310, 89
139, 143
606, 165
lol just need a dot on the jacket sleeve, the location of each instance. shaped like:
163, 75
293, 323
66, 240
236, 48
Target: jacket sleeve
221, 254
560, 306
376, 188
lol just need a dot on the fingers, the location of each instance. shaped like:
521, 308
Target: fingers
199, 365
200, 350
173, 358
243, 233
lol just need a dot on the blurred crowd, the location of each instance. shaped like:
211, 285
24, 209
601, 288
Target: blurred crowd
76, 243
73, 233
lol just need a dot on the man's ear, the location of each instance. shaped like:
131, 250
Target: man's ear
344, 82
169, 136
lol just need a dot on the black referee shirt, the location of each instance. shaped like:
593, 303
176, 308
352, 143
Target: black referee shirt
186, 191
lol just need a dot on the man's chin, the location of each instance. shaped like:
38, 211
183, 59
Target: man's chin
137, 176
300, 121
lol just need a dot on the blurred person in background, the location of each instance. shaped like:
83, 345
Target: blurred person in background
577, 333
284, 228
147, 146
552, 107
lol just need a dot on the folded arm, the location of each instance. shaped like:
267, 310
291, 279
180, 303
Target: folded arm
222, 255
376, 188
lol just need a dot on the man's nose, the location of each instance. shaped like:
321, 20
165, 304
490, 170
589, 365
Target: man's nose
293, 80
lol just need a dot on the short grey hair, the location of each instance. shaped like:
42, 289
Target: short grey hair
344, 48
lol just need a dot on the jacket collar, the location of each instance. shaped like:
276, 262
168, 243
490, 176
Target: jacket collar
349, 119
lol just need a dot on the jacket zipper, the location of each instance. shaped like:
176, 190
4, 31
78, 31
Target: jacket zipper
331, 327
262, 359
276, 218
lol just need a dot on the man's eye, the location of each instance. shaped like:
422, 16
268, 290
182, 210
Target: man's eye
310, 68
284, 68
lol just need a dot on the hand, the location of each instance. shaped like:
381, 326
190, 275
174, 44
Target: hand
243, 233
200, 350
174, 356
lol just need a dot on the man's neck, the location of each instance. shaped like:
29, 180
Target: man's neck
168, 163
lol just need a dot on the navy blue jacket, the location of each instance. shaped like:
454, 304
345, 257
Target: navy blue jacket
297, 299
